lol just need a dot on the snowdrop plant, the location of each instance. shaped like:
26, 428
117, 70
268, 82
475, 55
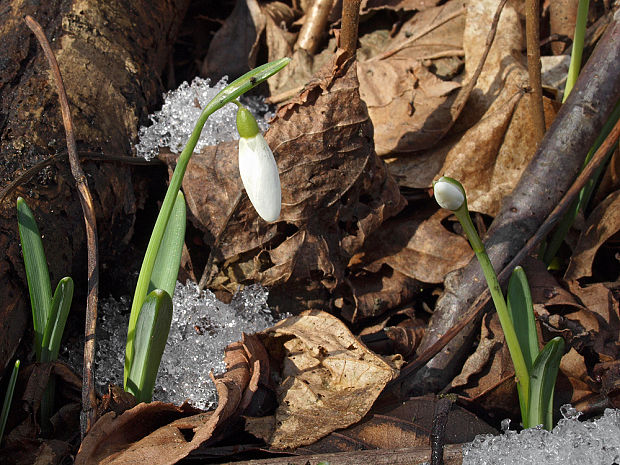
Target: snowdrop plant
536, 370
151, 309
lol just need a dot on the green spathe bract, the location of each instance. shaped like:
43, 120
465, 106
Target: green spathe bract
535, 372
227, 95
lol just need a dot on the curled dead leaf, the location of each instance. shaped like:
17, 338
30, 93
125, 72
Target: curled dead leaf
329, 380
163, 434
602, 224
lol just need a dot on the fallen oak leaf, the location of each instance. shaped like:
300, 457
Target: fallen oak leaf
329, 379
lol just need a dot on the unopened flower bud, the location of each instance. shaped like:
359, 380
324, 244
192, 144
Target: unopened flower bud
258, 168
449, 193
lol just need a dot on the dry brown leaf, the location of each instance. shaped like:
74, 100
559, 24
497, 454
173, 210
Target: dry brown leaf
375, 293
329, 380
408, 104
578, 384
407, 423
160, 433
234, 47
419, 247
22, 440
490, 156
602, 224
600, 319
335, 193
609, 374
487, 377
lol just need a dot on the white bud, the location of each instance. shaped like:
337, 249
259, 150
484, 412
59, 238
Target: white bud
449, 193
259, 173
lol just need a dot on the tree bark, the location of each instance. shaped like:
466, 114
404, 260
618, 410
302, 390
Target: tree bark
111, 55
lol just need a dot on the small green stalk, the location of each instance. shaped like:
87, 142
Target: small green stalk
449, 199
498, 300
227, 95
578, 39
8, 398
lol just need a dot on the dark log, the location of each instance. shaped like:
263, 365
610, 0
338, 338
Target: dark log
111, 55
547, 178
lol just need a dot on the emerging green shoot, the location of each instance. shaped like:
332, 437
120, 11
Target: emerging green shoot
535, 372
49, 313
153, 324
578, 39
145, 278
8, 398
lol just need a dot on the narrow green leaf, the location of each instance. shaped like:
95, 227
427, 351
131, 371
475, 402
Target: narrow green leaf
61, 304
8, 398
149, 343
36, 271
521, 310
168, 259
542, 384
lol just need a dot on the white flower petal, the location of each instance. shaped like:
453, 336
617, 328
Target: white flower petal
448, 195
259, 173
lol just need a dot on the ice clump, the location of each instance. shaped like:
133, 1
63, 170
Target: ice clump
172, 125
201, 328
571, 442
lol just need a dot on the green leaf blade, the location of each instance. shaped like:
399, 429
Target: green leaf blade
542, 384
151, 336
37, 273
55, 327
521, 311
168, 260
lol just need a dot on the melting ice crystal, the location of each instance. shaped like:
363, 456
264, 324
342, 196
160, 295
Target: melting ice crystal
202, 327
571, 442
172, 125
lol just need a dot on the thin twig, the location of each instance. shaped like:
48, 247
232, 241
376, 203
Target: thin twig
463, 95
350, 24
25, 176
89, 397
532, 33
417, 36
544, 229
313, 29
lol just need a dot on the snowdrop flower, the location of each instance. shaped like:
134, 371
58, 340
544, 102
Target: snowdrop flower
449, 193
258, 168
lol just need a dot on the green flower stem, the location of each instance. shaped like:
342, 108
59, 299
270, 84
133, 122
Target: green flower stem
498, 299
578, 39
227, 95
